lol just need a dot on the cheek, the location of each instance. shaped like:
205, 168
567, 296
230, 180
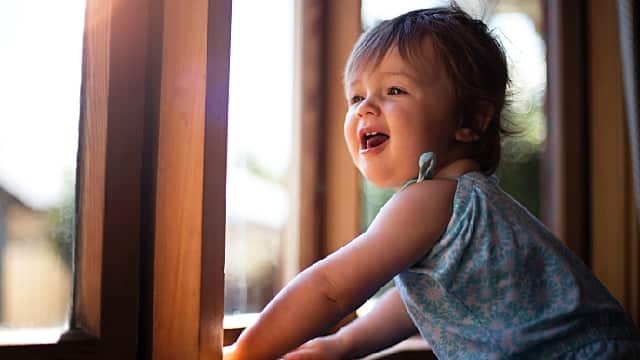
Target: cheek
350, 133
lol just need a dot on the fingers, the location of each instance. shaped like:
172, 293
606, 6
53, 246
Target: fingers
310, 353
302, 354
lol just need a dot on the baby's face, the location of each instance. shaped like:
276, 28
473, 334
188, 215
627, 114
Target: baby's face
397, 113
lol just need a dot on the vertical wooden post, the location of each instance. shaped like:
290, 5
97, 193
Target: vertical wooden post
112, 119
190, 202
309, 110
342, 211
215, 169
565, 179
327, 180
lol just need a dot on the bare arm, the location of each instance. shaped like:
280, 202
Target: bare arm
401, 234
387, 324
302, 310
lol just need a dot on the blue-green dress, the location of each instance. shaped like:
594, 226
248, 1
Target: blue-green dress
498, 284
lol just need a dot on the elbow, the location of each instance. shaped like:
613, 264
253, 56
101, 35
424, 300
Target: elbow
329, 289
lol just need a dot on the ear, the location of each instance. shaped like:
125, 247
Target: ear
482, 119
466, 135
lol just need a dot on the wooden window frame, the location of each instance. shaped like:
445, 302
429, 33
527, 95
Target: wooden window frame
188, 270
105, 308
155, 74
565, 161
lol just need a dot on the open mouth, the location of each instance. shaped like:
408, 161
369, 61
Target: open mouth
372, 140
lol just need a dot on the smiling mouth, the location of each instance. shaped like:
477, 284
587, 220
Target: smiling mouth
372, 140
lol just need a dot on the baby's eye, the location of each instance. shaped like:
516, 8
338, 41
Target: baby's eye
356, 99
395, 91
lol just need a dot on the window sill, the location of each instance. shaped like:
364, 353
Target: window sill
413, 347
13, 336
234, 324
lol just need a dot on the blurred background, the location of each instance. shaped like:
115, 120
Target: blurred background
40, 80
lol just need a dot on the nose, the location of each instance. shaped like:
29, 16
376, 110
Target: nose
368, 106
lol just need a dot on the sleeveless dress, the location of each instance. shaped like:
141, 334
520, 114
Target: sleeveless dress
498, 284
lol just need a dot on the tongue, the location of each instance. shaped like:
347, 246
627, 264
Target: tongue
376, 140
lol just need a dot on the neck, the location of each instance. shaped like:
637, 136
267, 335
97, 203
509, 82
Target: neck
457, 168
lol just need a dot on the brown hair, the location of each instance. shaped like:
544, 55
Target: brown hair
474, 60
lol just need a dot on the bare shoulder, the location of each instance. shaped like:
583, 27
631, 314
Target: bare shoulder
417, 215
404, 230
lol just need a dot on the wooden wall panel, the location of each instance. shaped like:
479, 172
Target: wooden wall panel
612, 201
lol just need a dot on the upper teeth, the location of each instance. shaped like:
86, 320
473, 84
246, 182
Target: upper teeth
371, 133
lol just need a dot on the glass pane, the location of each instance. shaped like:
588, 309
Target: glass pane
40, 72
259, 152
517, 24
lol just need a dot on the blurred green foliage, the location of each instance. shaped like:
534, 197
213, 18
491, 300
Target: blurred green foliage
372, 199
520, 165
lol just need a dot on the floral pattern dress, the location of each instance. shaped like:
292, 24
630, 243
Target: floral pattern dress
498, 284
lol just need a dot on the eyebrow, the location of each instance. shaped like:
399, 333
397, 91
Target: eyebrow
390, 73
395, 73
400, 73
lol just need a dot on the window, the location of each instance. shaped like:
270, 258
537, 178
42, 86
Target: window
39, 112
260, 159
104, 313
323, 191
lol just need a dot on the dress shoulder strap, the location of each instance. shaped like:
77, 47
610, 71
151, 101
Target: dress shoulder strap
426, 165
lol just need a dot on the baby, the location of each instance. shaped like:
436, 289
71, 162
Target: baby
476, 274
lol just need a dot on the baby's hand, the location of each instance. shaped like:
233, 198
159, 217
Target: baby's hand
323, 348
